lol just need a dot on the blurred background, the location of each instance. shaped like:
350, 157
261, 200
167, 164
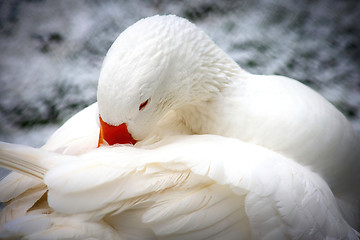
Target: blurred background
51, 51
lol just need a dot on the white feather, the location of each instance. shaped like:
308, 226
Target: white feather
277, 153
260, 192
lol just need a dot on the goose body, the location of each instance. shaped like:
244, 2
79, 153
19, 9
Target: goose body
220, 153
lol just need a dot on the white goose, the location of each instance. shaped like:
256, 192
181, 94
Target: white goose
264, 173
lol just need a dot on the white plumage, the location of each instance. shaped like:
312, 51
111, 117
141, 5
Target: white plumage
222, 154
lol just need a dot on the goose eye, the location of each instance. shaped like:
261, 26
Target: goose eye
143, 104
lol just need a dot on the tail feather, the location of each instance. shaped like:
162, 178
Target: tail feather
26, 160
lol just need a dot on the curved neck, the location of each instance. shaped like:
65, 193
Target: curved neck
209, 91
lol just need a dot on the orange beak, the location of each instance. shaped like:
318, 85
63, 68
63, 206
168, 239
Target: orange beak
114, 134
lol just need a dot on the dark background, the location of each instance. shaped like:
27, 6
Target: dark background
51, 50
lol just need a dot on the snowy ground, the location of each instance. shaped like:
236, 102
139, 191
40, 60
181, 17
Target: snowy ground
51, 51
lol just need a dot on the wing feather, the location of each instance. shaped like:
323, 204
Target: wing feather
67, 141
15, 184
197, 187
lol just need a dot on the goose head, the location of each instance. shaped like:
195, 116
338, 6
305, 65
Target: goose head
160, 63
